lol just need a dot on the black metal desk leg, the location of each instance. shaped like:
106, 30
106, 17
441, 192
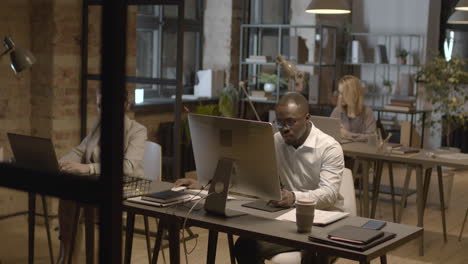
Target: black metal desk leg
46, 222
212, 243
404, 196
130, 226
376, 182
147, 236
392, 190
89, 233
420, 203
422, 128
442, 200
231, 248
383, 259
174, 241
411, 131
31, 224
157, 242
365, 188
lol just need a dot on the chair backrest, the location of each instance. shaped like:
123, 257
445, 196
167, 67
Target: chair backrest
152, 161
348, 192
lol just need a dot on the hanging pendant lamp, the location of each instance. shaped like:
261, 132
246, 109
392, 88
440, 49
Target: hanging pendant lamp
462, 5
328, 7
458, 18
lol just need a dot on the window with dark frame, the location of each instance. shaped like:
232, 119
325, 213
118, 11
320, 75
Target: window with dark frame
156, 49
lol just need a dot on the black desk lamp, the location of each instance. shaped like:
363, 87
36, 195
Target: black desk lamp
20, 58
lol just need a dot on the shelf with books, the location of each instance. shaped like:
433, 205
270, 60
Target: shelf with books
260, 44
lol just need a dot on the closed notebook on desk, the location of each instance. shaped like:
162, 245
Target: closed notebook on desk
355, 234
359, 247
164, 196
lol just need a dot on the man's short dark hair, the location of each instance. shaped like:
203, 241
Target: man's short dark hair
296, 98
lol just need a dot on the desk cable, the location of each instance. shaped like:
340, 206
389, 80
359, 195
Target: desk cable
186, 253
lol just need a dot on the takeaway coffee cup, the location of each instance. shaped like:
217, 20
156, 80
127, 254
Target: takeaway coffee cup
304, 215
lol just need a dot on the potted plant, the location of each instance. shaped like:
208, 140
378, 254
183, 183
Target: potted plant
402, 54
387, 86
269, 81
446, 86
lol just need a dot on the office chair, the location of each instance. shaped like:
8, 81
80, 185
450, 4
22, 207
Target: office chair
349, 195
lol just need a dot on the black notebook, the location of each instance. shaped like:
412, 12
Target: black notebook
359, 247
165, 196
355, 234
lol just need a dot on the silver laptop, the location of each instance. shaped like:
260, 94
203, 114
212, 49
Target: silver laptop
34, 152
330, 126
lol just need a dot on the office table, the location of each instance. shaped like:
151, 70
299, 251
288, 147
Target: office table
259, 225
420, 161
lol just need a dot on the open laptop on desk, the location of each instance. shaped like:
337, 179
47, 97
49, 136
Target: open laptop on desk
34, 152
330, 126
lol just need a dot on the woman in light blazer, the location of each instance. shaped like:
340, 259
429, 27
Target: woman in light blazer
84, 159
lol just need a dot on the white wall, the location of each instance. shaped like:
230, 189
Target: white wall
300, 17
217, 34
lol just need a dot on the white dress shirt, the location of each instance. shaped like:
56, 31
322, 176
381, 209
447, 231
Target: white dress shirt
313, 170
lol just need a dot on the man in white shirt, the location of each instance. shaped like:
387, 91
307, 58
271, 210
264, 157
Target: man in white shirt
310, 165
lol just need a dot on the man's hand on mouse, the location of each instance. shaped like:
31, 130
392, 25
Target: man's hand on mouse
287, 199
189, 183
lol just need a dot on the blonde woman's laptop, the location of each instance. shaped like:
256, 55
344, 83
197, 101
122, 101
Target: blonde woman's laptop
330, 126
34, 152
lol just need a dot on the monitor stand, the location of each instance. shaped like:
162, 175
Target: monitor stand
218, 192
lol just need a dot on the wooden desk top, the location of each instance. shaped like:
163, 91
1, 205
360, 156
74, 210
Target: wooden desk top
361, 149
262, 225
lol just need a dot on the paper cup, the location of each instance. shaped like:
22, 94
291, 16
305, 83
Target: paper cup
305, 215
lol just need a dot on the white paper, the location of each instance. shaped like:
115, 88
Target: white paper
456, 156
320, 217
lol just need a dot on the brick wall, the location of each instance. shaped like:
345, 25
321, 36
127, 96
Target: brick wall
15, 93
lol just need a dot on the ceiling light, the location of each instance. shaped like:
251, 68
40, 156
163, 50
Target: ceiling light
328, 7
462, 5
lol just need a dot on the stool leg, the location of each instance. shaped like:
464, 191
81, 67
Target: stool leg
147, 235
392, 190
46, 221
463, 226
31, 225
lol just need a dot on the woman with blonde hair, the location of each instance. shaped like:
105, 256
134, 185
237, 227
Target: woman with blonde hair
357, 119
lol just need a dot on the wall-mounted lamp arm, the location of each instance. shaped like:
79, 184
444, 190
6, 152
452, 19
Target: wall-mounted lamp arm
9, 45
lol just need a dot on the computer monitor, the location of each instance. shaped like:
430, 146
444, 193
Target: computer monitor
234, 154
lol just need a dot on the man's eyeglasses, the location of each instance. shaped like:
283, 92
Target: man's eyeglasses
286, 123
